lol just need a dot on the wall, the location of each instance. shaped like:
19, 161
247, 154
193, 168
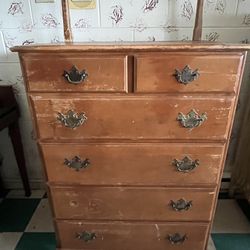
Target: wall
26, 22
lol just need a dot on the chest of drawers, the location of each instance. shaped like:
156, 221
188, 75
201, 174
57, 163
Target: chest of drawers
133, 138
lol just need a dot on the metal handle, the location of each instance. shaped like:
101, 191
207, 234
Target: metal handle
181, 205
77, 163
192, 119
186, 164
176, 238
74, 76
86, 236
71, 119
187, 75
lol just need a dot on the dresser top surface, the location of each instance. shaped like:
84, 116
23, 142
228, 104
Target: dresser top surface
133, 46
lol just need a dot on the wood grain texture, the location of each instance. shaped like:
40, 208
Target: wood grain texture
131, 139
130, 203
228, 141
131, 117
218, 72
132, 47
130, 236
105, 73
133, 163
66, 21
197, 33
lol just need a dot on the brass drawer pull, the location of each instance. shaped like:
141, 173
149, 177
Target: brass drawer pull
186, 164
176, 238
74, 76
192, 119
86, 236
71, 119
77, 163
186, 75
181, 205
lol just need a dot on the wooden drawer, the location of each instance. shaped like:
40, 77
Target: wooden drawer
106, 73
133, 163
131, 203
131, 117
218, 72
131, 236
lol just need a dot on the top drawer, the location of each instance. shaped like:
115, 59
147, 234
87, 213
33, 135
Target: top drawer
158, 72
56, 72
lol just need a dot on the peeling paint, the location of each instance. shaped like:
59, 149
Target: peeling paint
158, 233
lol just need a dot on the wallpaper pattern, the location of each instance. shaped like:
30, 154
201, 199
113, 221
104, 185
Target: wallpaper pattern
25, 22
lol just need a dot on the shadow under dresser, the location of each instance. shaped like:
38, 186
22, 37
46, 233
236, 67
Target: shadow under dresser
133, 138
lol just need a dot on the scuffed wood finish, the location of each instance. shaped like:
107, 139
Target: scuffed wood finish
127, 203
133, 163
131, 137
131, 236
105, 73
132, 47
132, 117
218, 72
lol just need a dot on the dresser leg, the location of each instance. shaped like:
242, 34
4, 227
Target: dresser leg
15, 136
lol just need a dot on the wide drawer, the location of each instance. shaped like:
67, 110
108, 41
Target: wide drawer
131, 117
131, 236
133, 163
105, 73
131, 203
217, 73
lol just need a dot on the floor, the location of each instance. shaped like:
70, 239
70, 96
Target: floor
26, 224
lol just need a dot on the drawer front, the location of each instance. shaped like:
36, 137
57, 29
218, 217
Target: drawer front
131, 236
133, 164
125, 203
53, 73
132, 117
217, 73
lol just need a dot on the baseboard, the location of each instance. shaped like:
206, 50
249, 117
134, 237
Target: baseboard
17, 184
245, 207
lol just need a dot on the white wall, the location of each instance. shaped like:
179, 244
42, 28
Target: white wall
24, 22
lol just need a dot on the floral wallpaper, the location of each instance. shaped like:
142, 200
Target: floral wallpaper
24, 22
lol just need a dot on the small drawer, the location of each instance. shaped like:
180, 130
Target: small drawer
136, 164
76, 72
130, 203
189, 72
131, 236
65, 117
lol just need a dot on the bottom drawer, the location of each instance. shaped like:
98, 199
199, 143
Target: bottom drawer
131, 236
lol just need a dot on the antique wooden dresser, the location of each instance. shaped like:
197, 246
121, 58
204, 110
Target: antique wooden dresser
133, 138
